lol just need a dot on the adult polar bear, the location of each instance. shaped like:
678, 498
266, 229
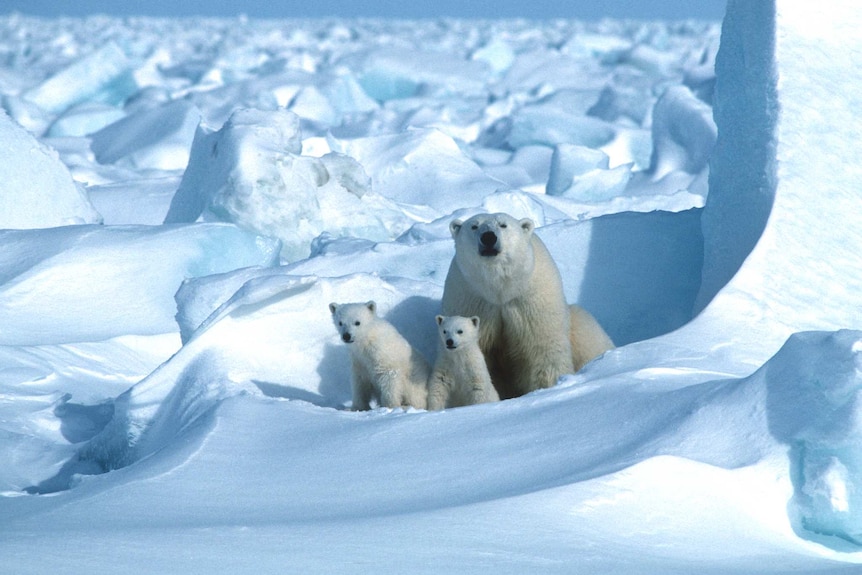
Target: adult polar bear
503, 273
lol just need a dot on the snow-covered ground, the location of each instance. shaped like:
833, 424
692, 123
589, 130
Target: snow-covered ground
180, 200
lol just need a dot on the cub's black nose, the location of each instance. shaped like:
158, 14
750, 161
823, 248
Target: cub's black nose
488, 239
449, 343
345, 337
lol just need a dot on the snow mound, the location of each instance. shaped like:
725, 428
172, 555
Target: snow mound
420, 166
570, 161
273, 336
251, 172
36, 188
105, 75
84, 119
158, 138
90, 283
683, 132
392, 74
815, 389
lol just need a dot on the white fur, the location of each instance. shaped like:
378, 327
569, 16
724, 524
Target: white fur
385, 367
529, 335
460, 376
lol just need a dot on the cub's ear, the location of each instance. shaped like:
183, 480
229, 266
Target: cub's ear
455, 227
332, 307
439, 319
527, 225
371, 306
475, 320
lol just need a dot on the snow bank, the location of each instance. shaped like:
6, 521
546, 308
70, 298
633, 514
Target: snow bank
90, 283
273, 336
36, 189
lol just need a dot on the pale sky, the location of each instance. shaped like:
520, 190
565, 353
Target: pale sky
536, 9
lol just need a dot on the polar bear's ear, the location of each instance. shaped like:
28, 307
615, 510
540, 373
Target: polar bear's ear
332, 307
455, 227
475, 320
372, 307
439, 319
527, 225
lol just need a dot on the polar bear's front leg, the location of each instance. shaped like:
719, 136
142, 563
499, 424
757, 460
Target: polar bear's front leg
545, 376
479, 392
390, 387
438, 392
362, 392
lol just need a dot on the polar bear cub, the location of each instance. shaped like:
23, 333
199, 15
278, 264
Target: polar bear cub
384, 366
460, 376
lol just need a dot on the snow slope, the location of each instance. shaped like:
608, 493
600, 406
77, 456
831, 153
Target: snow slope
173, 396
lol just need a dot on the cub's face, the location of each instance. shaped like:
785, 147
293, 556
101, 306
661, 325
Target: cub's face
490, 235
352, 319
456, 331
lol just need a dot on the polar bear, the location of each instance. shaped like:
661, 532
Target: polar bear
384, 366
460, 376
503, 273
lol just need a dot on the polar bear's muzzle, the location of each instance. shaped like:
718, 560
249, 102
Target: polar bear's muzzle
346, 337
489, 244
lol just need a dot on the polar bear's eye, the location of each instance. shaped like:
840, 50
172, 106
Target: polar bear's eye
504, 225
460, 332
474, 227
356, 323
340, 324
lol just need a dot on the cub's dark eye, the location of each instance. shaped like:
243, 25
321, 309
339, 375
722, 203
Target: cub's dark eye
356, 323
504, 226
340, 324
474, 227
460, 332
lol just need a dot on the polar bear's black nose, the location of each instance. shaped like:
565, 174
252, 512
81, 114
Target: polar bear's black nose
450, 344
345, 337
488, 239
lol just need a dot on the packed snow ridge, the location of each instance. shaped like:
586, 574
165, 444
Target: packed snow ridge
180, 201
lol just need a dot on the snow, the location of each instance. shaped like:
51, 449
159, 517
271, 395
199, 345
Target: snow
103, 76
182, 202
157, 139
37, 190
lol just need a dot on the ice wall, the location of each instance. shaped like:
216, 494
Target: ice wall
785, 177
742, 179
